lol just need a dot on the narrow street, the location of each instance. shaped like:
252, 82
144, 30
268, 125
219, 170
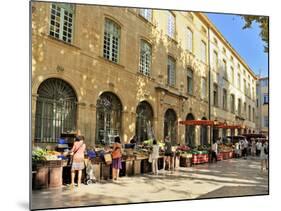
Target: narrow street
234, 177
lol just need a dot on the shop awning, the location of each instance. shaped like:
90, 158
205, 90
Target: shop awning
197, 122
229, 126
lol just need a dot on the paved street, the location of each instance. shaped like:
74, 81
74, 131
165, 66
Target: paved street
234, 177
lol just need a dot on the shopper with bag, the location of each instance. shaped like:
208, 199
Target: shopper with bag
77, 163
154, 157
116, 158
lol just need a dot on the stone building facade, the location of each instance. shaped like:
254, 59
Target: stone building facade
125, 71
262, 116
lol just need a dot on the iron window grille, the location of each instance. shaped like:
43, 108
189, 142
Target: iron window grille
109, 118
56, 109
61, 22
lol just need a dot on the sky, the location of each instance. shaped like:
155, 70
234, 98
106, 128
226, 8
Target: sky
246, 42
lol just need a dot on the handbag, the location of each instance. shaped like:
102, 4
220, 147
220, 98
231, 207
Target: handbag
70, 161
116, 153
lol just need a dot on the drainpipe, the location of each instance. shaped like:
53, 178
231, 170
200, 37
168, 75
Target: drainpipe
209, 79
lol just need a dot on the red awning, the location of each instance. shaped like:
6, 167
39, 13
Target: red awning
224, 126
197, 122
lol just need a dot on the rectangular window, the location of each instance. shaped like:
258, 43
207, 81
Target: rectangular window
189, 81
253, 93
171, 71
215, 60
189, 40
239, 107
265, 99
224, 99
245, 110
204, 87
232, 75
245, 87
253, 113
249, 90
171, 25
147, 14
203, 51
249, 113
265, 118
224, 69
238, 81
215, 95
265, 83
111, 41
145, 58
232, 103
61, 22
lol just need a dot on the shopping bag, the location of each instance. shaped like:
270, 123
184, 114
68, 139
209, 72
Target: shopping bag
107, 158
150, 158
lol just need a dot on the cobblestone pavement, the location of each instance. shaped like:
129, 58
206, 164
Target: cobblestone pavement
234, 177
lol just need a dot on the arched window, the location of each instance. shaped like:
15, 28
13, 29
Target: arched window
111, 42
144, 122
56, 108
203, 133
170, 125
109, 118
145, 58
190, 132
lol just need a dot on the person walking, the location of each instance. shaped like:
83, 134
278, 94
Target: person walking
253, 148
263, 156
237, 149
116, 158
258, 148
154, 157
77, 153
214, 152
168, 154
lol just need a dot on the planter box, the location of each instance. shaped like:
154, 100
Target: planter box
41, 178
55, 177
137, 167
200, 158
105, 171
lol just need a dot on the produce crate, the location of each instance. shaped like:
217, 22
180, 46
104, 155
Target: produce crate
227, 155
219, 156
200, 158
185, 161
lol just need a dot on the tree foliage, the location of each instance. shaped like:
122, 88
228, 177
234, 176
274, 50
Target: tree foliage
262, 21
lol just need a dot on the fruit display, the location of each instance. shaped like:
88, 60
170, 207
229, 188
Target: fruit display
225, 148
38, 154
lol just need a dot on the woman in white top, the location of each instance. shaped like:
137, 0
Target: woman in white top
154, 157
263, 157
